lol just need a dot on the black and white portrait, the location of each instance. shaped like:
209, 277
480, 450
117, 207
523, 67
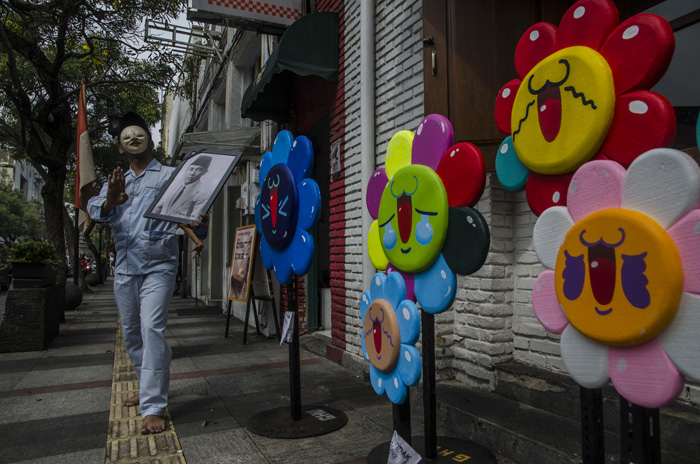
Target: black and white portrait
194, 186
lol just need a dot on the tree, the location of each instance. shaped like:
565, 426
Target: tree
21, 219
47, 48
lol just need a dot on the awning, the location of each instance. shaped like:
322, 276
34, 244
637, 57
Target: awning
230, 140
308, 47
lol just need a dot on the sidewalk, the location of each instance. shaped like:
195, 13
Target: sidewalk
55, 404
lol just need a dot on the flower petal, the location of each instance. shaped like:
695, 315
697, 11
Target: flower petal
504, 105
398, 152
375, 188
463, 173
408, 279
546, 305
587, 23
643, 120
279, 153
301, 158
280, 265
467, 242
362, 339
537, 43
680, 339
436, 287
378, 379
586, 360
544, 191
409, 366
596, 185
433, 137
686, 235
663, 184
395, 388
365, 301
639, 51
301, 252
309, 204
376, 253
511, 172
645, 375
548, 234
258, 219
394, 289
408, 317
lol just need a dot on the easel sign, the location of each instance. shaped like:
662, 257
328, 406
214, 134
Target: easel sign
241, 263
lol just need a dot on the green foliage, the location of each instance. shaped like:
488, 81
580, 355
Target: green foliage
21, 219
33, 252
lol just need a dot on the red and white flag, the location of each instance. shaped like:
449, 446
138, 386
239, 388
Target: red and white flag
84, 165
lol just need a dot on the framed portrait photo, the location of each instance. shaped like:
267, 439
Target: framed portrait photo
242, 263
194, 186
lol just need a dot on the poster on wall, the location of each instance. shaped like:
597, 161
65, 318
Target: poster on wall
241, 263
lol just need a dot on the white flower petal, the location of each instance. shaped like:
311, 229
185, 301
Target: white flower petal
549, 233
662, 183
681, 339
586, 360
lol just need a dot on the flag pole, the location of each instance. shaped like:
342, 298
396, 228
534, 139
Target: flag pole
76, 246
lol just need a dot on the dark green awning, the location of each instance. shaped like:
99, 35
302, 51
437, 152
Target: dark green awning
308, 47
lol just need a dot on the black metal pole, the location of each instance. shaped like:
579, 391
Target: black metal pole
294, 361
429, 401
402, 418
76, 248
592, 426
640, 441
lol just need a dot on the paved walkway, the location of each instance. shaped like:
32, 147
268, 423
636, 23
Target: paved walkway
62, 405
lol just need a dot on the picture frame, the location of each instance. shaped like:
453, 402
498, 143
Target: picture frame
242, 257
194, 186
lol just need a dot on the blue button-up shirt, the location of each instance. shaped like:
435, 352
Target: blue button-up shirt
143, 245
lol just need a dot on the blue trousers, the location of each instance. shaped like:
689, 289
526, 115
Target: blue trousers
143, 302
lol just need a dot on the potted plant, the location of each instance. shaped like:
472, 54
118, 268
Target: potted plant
33, 264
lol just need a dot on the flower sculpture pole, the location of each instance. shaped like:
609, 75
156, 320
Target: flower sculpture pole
425, 229
582, 94
287, 208
622, 278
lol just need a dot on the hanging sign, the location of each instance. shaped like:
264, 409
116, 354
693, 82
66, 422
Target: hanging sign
247, 14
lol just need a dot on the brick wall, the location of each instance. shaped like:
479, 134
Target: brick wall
337, 195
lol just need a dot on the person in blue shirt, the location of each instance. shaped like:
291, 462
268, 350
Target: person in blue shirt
146, 264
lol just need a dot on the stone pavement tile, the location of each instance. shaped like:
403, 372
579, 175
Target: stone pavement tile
33, 439
182, 390
65, 376
51, 405
8, 382
67, 362
107, 346
353, 441
227, 447
92, 456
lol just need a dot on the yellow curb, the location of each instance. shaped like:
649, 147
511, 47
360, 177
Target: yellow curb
125, 443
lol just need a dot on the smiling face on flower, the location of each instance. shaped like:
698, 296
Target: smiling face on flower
622, 277
562, 111
582, 94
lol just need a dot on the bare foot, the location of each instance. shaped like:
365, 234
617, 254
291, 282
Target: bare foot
153, 424
131, 401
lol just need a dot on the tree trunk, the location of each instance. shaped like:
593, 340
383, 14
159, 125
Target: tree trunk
52, 193
99, 267
69, 230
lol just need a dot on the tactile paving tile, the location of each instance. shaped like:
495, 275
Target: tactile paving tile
125, 443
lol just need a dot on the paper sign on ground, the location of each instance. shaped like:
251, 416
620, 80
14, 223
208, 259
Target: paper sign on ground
401, 452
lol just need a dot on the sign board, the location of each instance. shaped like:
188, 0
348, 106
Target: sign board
246, 14
241, 263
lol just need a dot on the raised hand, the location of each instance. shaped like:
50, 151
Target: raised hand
116, 190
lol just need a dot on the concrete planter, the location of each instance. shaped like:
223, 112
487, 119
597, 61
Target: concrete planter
33, 275
31, 320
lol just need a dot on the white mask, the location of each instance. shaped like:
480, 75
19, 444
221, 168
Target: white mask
134, 140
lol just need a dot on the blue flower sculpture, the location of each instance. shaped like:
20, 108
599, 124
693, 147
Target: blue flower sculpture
288, 207
390, 332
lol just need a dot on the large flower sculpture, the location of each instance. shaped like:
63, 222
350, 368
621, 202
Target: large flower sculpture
622, 278
390, 332
582, 94
422, 225
288, 207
